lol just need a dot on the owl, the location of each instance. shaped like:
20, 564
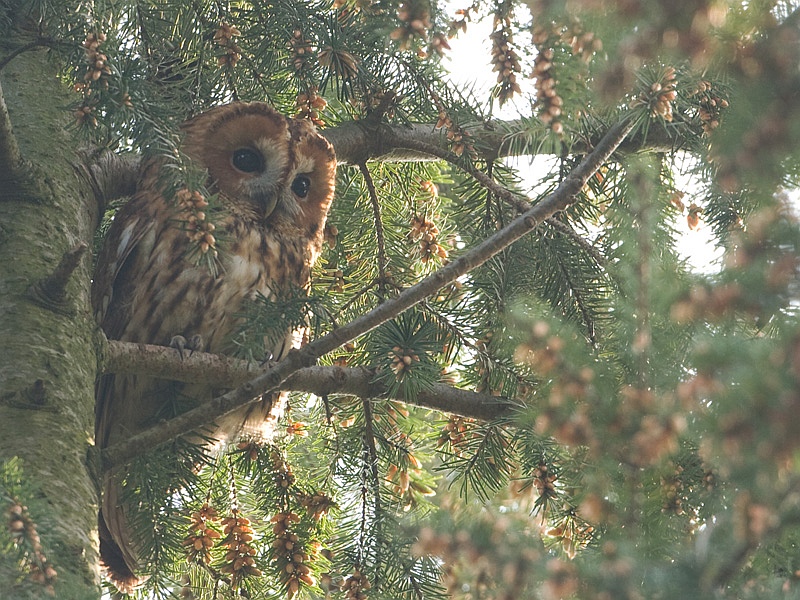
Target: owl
274, 178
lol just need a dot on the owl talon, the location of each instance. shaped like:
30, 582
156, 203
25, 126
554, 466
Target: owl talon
181, 344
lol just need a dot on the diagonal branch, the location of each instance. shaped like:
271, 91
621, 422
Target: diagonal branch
380, 239
307, 356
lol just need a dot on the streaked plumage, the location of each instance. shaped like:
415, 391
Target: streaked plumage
275, 179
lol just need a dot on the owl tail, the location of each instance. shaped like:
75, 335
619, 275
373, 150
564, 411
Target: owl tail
117, 556
113, 561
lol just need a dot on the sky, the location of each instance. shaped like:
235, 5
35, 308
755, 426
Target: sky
468, 61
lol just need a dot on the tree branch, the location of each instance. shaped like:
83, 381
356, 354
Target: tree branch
717, 575
271, 379
359, 141
39, 42
224, 371
51, 292
378, 220
114, 176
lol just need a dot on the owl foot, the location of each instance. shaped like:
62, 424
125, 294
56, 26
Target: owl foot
181, 344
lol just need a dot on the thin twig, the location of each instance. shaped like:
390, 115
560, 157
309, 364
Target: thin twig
207, 412
487, 182
568, 231
577, 294
372, 454
219, 577
357, 295
379, 234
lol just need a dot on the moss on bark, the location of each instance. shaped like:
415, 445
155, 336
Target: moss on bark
49, 364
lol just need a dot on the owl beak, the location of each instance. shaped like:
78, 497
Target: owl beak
268, 203
264, 195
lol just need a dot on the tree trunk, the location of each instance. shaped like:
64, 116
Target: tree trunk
49, 362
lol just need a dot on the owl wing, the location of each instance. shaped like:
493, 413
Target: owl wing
130, 225
112, 287
133, 228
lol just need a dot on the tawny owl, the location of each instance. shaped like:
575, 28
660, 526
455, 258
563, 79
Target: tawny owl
274, 178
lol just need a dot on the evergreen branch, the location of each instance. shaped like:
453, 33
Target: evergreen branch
568, 231
357, 296
307, 356
372, 460
444, 322
379, 235
218, 577
788, 516
576, 293
485, 180
225, 371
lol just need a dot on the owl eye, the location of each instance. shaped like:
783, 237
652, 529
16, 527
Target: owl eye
301, 185
247, 160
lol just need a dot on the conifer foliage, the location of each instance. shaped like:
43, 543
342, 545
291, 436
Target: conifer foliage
632, 424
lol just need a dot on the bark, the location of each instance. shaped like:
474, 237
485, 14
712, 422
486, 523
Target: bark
48, 368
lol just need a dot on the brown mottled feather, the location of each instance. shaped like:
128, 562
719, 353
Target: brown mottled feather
146, 288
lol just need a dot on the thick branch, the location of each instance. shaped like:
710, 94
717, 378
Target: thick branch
359, 141
114, 176
224, 371
307, 356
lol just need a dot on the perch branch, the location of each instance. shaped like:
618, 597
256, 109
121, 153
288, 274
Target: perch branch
308, 355
225, 371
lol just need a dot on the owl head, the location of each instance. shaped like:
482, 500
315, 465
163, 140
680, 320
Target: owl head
266, 168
